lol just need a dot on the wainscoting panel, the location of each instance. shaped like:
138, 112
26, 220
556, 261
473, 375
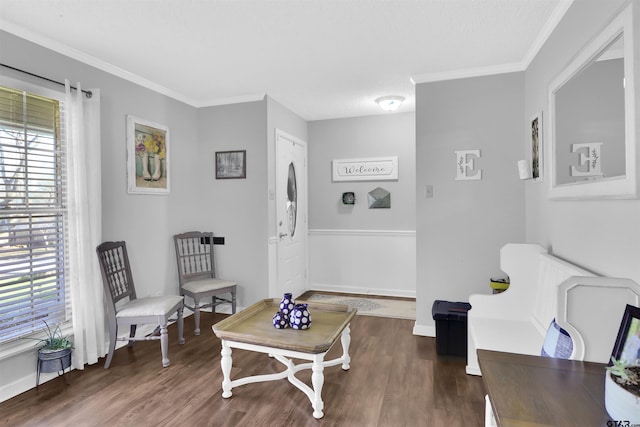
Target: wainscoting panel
377, 262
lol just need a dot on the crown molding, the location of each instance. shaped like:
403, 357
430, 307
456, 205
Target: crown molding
82, 57
546, 31
232, 100
540, 40
119, 72
466, 73
92, 61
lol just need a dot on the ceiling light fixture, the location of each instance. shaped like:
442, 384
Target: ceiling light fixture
390, 103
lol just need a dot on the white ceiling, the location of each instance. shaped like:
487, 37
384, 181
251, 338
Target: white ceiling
320, 58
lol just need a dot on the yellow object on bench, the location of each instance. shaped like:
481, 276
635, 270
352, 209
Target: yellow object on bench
500, 284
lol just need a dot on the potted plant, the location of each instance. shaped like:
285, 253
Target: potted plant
622, 391
55, 353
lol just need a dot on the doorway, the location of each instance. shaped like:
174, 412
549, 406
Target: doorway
291, 214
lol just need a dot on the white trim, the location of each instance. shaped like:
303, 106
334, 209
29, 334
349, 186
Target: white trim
424, 330
60, 48
119, 72
380, 262
468, 72
326, 287
551, 24
35, 88
473, 371
27, 383
512, 67
91, 60
338, 232
232, 100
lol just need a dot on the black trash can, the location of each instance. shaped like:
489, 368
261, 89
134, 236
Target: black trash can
451, 327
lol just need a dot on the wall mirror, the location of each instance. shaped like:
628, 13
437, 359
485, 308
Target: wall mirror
592, 113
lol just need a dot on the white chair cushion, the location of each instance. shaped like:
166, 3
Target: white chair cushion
204, 285
151, 306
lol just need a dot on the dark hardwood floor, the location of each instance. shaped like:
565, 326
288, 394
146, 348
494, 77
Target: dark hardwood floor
396, 379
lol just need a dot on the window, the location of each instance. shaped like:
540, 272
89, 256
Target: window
33, 286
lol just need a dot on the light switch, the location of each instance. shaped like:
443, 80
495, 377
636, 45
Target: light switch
428, 191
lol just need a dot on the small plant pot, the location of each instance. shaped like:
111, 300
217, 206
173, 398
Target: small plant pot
54, 360
620, 403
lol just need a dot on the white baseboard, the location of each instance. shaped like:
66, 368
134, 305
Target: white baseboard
26, 383
363, 291
473, 371
424, 330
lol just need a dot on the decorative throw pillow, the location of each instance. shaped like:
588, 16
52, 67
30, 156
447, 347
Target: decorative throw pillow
557, 343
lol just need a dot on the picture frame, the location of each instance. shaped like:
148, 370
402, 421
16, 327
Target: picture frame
231, 164
536, 133
148, 157
627, 345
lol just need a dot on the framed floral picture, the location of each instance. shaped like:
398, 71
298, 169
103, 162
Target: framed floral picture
147, 157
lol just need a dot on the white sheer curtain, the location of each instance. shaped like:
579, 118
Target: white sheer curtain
85, 224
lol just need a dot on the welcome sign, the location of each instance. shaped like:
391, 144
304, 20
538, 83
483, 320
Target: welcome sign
370, 169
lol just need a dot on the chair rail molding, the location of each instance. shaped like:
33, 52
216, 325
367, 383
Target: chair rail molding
377, 262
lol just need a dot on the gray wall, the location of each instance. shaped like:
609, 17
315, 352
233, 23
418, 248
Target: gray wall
600, 235
354, 248
362, 137
461, 229
146, 222
233, 208
236, 209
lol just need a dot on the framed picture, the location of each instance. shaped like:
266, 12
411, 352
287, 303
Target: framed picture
147, 157
536, 147
231, 164
627, 346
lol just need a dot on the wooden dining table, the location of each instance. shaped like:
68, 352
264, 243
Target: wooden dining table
544, 391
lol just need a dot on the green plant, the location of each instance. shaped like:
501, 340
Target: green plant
54, 340
628, 376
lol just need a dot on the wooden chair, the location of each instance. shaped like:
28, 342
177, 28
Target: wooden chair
118, 285
197, 273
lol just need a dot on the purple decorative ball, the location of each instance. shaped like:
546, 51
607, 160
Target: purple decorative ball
280, 321
286, 305
300, 317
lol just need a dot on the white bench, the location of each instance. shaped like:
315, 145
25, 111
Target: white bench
588, 307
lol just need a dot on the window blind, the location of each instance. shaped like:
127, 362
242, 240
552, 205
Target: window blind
33, 284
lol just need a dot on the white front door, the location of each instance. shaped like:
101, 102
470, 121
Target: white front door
291, 213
